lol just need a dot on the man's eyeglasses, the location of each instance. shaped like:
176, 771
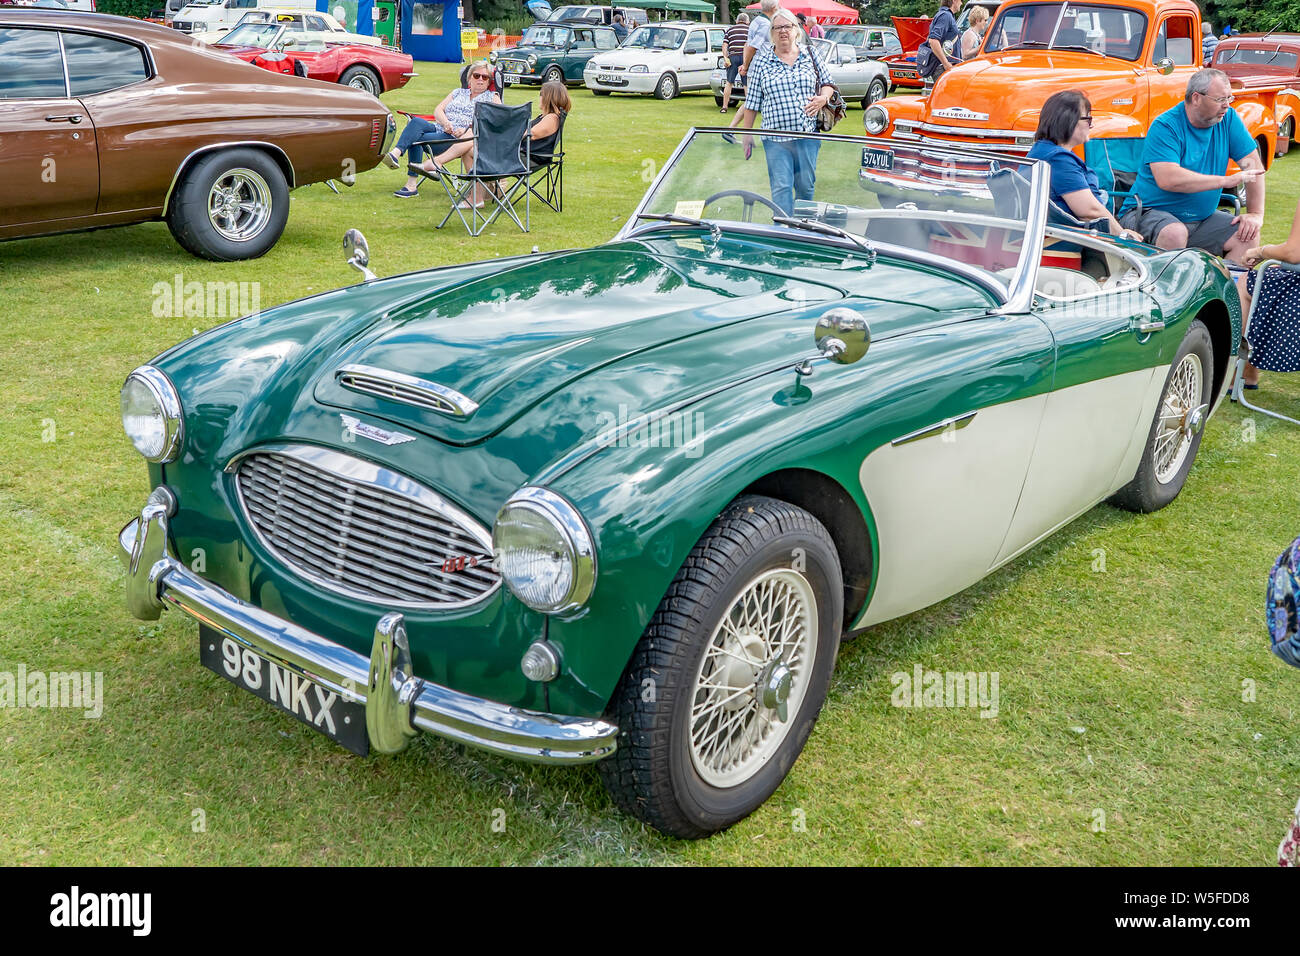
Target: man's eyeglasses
1086, 119
1221, 100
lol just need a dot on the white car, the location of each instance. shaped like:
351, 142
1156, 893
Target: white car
660, 58
210, 16
304, 26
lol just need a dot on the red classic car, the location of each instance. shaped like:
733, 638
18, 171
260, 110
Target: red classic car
375, 69
1255, 62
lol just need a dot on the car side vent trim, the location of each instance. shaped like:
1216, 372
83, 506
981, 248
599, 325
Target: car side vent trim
406, 390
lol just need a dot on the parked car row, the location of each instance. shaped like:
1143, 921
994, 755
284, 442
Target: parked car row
671, 57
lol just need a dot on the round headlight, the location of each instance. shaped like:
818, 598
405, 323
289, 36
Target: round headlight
544, 551
151, 414
876, 121
639, 68
532, 59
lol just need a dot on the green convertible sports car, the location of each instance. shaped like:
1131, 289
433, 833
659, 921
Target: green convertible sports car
620, 504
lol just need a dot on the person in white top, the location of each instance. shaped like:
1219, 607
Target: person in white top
974, 35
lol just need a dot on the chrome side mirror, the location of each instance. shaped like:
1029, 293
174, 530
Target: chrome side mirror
357, 251
1164, 66
842, 336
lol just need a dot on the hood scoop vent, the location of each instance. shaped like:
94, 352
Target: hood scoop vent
406, 390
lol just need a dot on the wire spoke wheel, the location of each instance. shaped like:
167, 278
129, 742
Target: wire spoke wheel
239, 204
753, 675
1179, 417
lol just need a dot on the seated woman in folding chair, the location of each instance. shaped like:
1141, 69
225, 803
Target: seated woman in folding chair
555, 106
1274, 332
1064, 124
453, 130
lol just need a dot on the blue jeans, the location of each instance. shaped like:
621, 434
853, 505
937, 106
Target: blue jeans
791, 170
420, 133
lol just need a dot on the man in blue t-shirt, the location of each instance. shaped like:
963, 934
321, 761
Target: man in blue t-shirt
1175, 200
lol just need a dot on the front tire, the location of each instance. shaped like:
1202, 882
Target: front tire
724, 688
553, 74
230, 205
1178, 426
878, 89
666, 88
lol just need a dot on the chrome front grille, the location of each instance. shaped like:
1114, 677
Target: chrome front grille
514, 66
364, 531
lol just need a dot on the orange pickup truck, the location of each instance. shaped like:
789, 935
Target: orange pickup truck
1131, 57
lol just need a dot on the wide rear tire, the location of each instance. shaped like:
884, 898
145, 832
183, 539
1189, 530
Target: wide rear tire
231, 204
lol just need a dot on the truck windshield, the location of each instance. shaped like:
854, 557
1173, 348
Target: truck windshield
1094, 28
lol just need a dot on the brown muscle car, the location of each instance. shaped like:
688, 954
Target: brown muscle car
108, 121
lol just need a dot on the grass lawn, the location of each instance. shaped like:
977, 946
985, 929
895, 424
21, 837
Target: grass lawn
1141, 721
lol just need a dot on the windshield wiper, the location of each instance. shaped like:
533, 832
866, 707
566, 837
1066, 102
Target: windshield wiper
826, 229
1078, 46
670, 217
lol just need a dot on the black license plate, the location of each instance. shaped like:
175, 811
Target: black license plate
877, 158
342, 720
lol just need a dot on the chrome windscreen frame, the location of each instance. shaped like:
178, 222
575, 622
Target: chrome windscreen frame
1015, 297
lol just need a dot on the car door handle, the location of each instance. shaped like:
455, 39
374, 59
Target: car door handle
70, 118
1144, 326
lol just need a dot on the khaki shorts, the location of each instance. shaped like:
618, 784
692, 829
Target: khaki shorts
1209, 234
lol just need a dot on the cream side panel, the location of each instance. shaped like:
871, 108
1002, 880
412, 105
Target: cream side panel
1129, 465
943, 504
1087, 433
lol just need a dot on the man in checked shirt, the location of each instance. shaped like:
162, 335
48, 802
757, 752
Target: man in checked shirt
787, 83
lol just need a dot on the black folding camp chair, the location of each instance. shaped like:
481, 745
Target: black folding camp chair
546, 181
501, 168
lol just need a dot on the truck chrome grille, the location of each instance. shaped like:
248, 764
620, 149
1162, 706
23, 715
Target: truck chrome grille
363, 531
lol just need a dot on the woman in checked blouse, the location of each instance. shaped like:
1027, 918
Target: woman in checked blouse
788, 84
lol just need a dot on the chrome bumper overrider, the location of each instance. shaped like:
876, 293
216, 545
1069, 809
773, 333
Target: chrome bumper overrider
397, 703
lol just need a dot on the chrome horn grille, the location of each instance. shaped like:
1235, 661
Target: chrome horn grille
406, 389
362, 530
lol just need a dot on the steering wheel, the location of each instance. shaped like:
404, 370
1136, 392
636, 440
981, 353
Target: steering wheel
750, 198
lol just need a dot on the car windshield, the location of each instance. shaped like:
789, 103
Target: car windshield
851, 35
1109, 31
962, 209
538, 35
1272, 58
574, 13
655, 38
251, 34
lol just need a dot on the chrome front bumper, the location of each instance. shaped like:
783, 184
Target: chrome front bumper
397, 703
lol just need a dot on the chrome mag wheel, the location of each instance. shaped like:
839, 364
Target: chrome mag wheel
239, 204
1182, 415
753, 677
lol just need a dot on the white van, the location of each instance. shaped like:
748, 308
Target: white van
207, 16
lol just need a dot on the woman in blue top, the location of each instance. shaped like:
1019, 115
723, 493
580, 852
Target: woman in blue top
1066, 122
